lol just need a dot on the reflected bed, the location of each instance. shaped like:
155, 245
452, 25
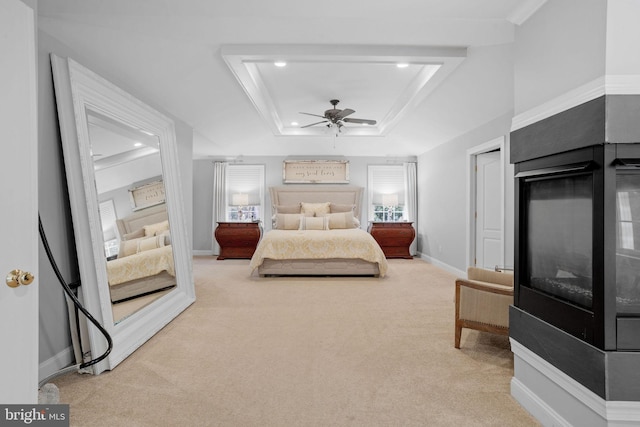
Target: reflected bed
145, 262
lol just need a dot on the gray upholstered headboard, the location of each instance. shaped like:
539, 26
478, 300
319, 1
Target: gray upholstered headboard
143, 217
313, 193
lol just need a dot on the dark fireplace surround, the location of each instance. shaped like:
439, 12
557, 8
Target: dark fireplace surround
577, 263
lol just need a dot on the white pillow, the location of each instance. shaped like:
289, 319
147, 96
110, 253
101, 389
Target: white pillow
155, 229
341, 220
149, 243
134, 246
288, 209
134, 234
314, 223
337, 208
288, 221
317, 209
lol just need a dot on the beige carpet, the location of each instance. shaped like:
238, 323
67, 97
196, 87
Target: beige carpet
307, 352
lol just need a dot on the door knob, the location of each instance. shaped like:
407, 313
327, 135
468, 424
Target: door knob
16, 278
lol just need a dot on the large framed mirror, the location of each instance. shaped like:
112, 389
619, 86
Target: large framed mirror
124, 188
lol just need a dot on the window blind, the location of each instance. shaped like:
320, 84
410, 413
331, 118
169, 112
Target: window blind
386, 180
108, 218
245, 180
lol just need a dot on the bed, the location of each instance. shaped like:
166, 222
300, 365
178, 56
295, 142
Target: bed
316, 231
145, 260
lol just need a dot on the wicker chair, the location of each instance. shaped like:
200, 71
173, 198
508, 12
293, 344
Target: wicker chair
482, 302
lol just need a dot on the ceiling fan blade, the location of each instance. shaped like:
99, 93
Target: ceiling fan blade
313, 124
361, 121
315, 115
344, 113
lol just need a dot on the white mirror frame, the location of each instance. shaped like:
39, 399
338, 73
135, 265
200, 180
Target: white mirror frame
78, 89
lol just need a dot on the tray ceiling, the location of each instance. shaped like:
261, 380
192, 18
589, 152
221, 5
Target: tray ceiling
367, 80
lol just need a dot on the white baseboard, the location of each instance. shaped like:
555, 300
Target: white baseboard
536, 406
56, 362
203, 252
442, 265
555, 399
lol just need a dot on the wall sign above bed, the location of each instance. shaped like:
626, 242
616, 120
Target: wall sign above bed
315, 171
147, 194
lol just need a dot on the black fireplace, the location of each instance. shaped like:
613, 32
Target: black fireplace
577, 243
578, 233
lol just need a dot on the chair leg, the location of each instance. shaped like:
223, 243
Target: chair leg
458, 335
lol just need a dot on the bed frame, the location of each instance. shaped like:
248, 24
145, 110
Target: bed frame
313, 193
143, 217
339, 194
146, 285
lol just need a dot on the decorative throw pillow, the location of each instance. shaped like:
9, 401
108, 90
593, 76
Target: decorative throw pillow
157, 228
128, 247
314, 223
288, 221
166, 235
288, 209
341, 208
340, 220
148, 243
134, 234
317, 209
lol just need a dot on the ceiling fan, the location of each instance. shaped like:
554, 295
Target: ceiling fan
337, 118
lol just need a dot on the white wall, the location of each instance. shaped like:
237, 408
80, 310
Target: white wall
623, 36
442, 171
203, 188
442, 198
561, 47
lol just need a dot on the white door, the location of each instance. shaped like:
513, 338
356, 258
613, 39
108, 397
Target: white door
488, 210
19, 213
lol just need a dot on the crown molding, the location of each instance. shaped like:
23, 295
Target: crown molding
606, 85
524, 11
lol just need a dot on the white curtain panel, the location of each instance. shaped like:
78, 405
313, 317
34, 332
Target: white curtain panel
219, 198
411, 200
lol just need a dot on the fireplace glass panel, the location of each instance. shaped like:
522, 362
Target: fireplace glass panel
628, 243
559, 237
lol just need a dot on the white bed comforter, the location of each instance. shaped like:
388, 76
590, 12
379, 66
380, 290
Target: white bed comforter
319, 244
142, 264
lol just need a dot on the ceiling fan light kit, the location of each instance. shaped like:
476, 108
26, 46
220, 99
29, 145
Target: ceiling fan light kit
336, 118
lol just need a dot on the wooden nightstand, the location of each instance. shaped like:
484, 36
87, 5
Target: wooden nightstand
237, 239
393, 237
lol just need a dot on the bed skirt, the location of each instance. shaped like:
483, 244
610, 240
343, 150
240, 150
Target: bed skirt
139, 287
318, 267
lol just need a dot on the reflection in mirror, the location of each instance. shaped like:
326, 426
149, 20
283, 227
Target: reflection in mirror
124, 190
133, 214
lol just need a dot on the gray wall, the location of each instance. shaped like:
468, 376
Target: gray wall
203, 187
53, 199
442, 198
442, 171
561, 47
623, 33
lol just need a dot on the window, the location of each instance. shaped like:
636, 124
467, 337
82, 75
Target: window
244, 192
387, 194
109, 236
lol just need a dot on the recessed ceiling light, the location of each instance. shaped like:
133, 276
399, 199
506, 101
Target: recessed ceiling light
138, 144
280, 64
402, 65
294, 123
